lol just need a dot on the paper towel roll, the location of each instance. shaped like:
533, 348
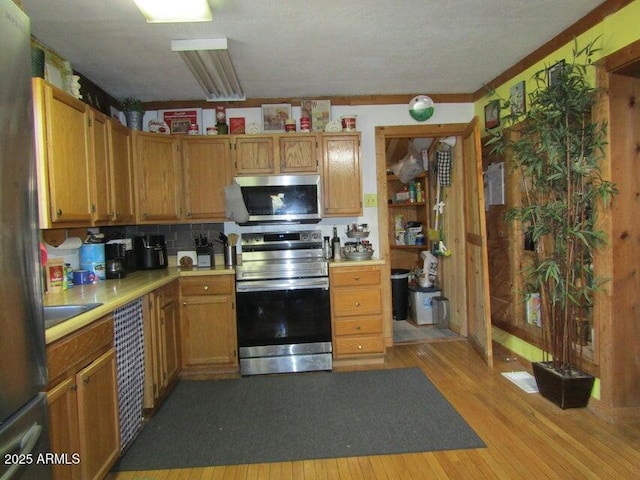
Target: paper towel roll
69, 251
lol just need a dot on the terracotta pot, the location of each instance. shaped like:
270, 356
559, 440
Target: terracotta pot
566, 391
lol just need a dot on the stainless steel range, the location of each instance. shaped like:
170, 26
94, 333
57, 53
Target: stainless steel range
283, 308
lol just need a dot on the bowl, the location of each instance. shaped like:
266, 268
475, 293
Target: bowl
357, 234
358, 255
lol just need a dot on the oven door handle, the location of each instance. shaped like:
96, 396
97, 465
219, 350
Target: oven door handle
285, 284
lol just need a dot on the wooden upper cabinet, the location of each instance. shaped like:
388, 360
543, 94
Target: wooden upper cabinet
299, 153
63, 151
99, 166
341, 176
121, 203
206, 171
158, 189
254, 154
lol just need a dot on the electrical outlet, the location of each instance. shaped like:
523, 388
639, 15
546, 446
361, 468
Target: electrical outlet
370, 200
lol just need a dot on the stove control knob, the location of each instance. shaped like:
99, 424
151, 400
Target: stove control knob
315, 236
304, 236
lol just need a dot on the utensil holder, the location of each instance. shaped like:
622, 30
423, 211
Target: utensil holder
230, 256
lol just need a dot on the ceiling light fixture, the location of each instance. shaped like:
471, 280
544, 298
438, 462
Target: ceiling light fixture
175, 11
210, 63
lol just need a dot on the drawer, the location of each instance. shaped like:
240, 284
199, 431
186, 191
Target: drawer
356, 301
358, 345
357, 325
353, 276
77, 350
212, 285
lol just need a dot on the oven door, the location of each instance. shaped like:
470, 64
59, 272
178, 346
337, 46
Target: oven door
283, 312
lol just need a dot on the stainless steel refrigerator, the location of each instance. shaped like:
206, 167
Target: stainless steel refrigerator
24, 436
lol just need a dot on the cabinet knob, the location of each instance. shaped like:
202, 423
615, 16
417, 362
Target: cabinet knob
73, 387
59, 212
206, 287
188, 214
359, 347
144, 215
86, 380
357, 304
184, 304
358, 327
356, 278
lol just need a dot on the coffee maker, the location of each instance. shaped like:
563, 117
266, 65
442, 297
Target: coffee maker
115, 253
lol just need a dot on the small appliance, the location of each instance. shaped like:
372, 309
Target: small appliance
151, 252
115, 254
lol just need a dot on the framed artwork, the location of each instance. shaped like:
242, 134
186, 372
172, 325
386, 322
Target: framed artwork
517, 99
553, 71
274, 116
319, 111
180, 120
492, 114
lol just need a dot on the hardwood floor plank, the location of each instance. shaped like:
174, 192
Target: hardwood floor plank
526, 436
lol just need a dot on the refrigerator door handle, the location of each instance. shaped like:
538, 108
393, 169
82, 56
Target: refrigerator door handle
21, 447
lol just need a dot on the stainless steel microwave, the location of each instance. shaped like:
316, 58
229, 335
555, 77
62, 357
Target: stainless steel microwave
281, 198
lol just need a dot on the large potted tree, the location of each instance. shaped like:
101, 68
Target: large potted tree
557, 148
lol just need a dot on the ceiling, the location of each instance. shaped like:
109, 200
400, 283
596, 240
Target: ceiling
313, 48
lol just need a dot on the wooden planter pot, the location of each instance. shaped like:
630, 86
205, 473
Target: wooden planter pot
566, 391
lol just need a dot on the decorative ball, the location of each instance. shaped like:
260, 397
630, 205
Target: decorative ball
421, 108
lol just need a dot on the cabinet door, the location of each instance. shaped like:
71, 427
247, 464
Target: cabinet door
209, 333
157, 170
299, 154
121, 188
169, 324
67, 157
98, 416
207, 170
100, 171
63, 427
341, 177
254, 155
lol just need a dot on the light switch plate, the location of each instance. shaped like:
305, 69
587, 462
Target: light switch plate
370, 200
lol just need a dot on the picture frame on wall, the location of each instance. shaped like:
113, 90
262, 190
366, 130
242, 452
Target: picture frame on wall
492, 114
274, 116
553, 71
319, 111
181, 120
517, 99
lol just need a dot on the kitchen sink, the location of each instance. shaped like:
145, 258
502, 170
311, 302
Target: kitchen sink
54, 314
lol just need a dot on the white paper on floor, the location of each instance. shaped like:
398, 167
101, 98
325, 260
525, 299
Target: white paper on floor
524, 380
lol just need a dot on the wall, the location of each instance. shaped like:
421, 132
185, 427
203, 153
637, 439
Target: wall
368, 117
615, 32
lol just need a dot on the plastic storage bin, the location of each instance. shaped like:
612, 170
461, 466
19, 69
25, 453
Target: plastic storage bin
422, 311
400, 293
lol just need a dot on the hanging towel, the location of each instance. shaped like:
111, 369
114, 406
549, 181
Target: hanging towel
443, 159
235, 208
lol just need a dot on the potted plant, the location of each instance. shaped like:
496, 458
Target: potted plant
557, 147
133, 112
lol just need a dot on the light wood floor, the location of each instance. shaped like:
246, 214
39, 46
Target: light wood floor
526, 436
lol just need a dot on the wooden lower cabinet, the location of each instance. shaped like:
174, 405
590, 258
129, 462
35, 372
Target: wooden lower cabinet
208, 325
162, 343
83, 402
356, 313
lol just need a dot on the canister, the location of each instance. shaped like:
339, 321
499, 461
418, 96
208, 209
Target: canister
92, 258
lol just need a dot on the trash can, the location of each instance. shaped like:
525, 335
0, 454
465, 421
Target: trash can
400, 293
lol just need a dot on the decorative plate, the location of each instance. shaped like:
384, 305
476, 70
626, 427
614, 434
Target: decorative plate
333, 126
159, 126
421, 108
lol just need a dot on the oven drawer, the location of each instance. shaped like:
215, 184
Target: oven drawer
358, 325
208, 285
356, 301
352, 276
358, 345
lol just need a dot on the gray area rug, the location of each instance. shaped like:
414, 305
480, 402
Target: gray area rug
298, 416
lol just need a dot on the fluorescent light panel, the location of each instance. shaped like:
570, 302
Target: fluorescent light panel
170, 11
210, 63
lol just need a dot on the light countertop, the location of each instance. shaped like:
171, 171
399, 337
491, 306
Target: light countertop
114, 294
